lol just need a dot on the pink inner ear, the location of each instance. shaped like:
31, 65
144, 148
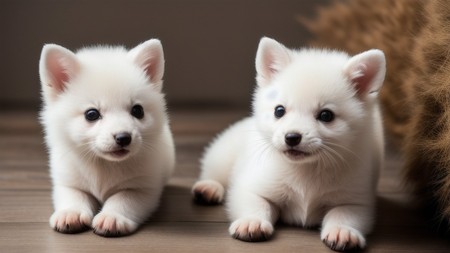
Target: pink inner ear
273, 68
150, 62
276, 60
59, 74
363, 77
150, 67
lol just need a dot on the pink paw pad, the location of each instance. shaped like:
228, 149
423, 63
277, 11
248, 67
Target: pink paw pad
113, 225
343, 239
70, 221
251, 230
208, 192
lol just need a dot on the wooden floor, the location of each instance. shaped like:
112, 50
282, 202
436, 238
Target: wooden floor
179, 225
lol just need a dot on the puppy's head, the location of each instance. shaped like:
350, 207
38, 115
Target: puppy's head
104, 102
310, 104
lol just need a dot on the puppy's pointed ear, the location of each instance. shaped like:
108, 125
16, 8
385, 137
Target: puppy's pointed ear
57, 66
150, 57
271, 58
366, 71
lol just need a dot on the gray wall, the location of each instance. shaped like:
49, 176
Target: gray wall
209, 45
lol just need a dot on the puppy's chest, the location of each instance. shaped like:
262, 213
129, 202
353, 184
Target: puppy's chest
303, 204
102, 182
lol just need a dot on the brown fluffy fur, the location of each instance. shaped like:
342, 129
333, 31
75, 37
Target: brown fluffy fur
389, 25
415, 36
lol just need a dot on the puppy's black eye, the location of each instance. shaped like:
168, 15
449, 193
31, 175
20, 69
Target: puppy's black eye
326, 116
92, 115
279, 111
137, 111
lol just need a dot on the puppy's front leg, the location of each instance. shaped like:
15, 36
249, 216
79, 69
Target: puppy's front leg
124, 211
253, 216
344, 227
74, 209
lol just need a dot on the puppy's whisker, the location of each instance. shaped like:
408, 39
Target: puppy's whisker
341, 147
263, 149
329, 146
336, 157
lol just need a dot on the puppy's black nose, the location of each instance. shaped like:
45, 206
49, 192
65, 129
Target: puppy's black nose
123, 139
292, 139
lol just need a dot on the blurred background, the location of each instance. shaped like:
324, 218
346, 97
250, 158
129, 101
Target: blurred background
209, 45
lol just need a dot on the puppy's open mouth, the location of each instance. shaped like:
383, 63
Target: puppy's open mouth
119, 153
296, 154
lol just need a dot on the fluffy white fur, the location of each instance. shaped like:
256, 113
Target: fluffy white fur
330, 177
90, 169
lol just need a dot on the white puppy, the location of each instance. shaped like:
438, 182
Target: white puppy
311, 152
108, 135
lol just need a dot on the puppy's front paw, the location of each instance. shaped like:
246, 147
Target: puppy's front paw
208, 192
112, 225
251, 229
70, 221
343, 238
